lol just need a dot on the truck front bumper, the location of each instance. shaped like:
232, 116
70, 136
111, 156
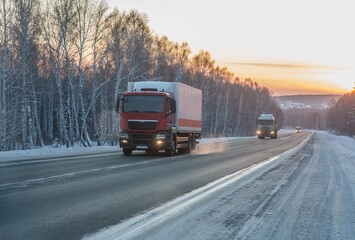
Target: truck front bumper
266, 134
144, 141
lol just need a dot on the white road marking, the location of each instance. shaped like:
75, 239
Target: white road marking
58, 159
25, 183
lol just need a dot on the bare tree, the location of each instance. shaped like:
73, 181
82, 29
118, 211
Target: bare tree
55, 21
341, 116
4, 74
26, 32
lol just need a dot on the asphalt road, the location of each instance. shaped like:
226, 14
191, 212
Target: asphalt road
70, 197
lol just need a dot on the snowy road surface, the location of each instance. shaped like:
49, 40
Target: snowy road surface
225, 190
306, 194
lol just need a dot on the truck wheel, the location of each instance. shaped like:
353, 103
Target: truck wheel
127, 152
172, 149
260, 137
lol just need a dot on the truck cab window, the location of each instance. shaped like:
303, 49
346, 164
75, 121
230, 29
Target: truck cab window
266, 122
144, 104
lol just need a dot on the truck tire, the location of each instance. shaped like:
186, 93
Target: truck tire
127, 152
260, 137
172, 149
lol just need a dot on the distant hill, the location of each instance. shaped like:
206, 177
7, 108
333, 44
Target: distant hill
305, 101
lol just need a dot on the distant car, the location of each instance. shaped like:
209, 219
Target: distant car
298, 129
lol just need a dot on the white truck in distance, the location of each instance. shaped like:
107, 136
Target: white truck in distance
267, 126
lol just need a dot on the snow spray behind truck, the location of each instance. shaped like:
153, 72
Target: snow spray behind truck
160, 116
267, 126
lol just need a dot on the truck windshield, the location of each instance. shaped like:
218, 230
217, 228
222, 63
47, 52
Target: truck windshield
266, 122
143, 104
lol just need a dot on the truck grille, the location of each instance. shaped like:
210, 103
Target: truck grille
142, 125
142, 138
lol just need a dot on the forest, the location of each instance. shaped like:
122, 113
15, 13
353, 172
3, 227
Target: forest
63, 63
341, 115
306, 118
338, 118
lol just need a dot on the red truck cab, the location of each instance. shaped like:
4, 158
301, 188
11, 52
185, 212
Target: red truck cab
147, 121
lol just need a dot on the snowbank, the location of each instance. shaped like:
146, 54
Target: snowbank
51, 152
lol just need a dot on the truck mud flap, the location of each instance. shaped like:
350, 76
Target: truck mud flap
182, 139
182, 145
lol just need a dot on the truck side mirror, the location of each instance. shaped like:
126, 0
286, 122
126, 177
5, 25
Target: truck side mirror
117, 107
173, 106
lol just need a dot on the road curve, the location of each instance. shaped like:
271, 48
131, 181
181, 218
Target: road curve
70, 197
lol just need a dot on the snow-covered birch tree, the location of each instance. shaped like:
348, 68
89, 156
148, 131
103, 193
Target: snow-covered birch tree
5, 72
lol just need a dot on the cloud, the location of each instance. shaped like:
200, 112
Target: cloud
283, 65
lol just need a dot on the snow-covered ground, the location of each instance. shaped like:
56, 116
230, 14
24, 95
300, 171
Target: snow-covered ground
52, 152
296, 105
305, 193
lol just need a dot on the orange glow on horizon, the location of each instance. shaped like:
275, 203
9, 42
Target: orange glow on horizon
295, 79
300, 87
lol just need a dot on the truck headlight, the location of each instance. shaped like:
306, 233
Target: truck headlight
258, 132
272, 132
160, 136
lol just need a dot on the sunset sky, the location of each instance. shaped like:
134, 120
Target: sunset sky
291, 47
